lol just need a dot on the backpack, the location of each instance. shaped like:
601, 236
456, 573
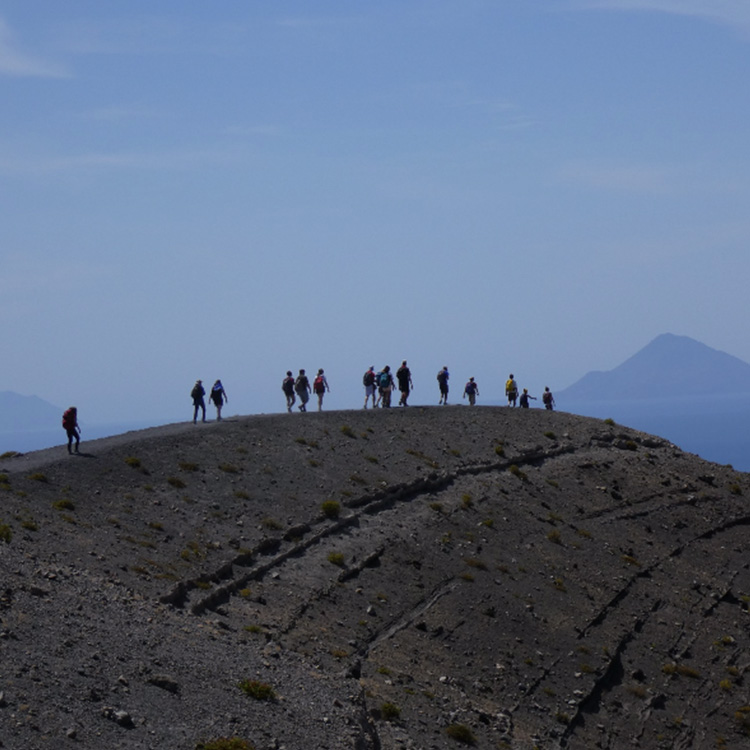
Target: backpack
68, 419
287, 385
368, 378
442, 377
547, 398
197, 392
318, 386
384, 379
510, 386
470, 387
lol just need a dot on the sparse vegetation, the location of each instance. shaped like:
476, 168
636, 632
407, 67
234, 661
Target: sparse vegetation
461, 733
6, 534
188, 466
331, 509
176, 482
133, 462
610, 422
64, 504
271, 524
336, 558
260, 691
229, 468
225, 743
554, 536
516, 472
551, 435
348, 431
38, 477
390, 712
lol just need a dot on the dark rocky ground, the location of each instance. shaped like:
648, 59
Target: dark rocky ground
539, 579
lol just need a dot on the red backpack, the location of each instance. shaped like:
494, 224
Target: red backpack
69, 419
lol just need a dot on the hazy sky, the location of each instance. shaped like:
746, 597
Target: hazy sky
236, 188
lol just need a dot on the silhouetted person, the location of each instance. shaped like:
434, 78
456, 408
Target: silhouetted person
442, 378
548, 399
197, 395
385, 386
219, 396
511, 390
369, 381
287, 385
524, 400
320, 386
471, 389
70, 425
302, 388
403, 375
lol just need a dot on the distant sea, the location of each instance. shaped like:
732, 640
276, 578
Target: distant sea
713, 427
24, 441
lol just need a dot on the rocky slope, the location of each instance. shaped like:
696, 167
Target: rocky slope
424, 578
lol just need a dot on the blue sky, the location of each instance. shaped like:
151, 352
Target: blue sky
238, 188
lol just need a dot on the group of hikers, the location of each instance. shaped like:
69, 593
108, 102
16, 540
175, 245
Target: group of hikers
379, 387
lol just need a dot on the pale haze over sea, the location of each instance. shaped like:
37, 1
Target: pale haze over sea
231, 190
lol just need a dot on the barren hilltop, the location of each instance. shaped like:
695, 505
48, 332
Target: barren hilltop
420, 578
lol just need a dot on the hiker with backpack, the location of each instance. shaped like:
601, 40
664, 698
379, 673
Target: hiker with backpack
403, 375
548, 399
471, 389
320, 386
219, 397
442, 378
511, 390
197, 395
70, 425
524, 400
371, 386
385, 386
302, 389
287, 385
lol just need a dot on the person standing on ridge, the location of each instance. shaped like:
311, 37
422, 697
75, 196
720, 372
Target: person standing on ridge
548, 399
302, 389
371, 387
511, 390
70, 425
442, 378
385, 386
403, 375
197, 395
219, 396
287, 385
471, 390
320, 386
524, 400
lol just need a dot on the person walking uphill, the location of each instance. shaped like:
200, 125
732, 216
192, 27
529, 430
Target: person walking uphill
302, 389
471, 389
70, 425
197, 395
442, 378
320, 386
219, 396
385, 386
511, 390
403, 375
287, 385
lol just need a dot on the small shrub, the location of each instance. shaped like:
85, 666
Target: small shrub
461, 733
10, 454
260, 691
29, 524
630, 560
371, 459
336, 558
455, 453
584, 533
39, 477
726, 685
176, 482
133, 462
229, 468
225, 743
242, 495
390, 712
348, 431
271, 524
742, 719
6, 534
559, 584
516, 472
468, 577
551, 435
437, 507
610, 422
474, 562
735, 489
499, 451
488, 522
554, 537
156, 525
64, 504
553, 483
466, 501
188, 466
331, 509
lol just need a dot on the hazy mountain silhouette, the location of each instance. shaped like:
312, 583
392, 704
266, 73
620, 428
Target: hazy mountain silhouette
21, 413
669, 367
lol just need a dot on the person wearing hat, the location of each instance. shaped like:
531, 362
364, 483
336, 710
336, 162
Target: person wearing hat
197, 395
